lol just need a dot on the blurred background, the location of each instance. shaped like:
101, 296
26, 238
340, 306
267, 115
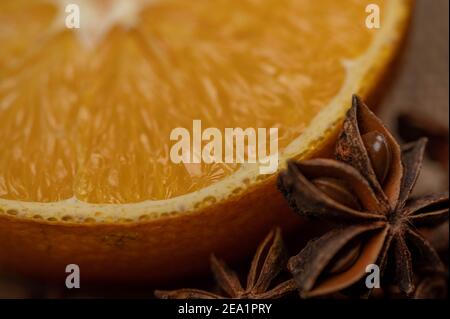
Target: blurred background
414, 103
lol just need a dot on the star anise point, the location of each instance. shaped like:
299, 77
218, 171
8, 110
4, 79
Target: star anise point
269, 261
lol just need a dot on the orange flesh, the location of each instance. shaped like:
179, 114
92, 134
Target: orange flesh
94, 123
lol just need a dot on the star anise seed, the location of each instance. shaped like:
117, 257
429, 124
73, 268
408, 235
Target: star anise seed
381, 176
379, 153
269, 261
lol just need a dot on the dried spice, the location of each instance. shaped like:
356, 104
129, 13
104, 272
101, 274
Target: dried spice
439, 239
367, 191
433, 286
269, 261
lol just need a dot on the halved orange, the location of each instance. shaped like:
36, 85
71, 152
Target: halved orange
86, 114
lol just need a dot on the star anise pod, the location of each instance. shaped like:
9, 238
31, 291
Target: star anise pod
367, 191
438, 237
269, 261
433, 286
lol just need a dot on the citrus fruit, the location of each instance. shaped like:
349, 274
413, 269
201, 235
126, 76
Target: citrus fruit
86, 114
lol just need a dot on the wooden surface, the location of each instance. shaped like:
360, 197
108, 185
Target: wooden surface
421, 81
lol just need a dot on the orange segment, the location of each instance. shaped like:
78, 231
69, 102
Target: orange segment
93, 122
